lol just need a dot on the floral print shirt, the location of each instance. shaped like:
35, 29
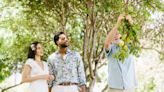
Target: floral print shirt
69, 68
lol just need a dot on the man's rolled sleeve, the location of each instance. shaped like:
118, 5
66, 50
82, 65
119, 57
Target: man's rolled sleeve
81, 72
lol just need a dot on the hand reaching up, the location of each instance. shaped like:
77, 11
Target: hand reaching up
129, 18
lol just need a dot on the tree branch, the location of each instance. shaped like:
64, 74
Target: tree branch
5, 89
105, 88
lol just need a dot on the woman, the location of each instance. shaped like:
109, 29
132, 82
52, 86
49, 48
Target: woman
35, 70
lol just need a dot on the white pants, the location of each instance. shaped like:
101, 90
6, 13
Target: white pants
121, 90
72, 88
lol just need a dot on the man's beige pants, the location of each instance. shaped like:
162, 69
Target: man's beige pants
72, 88
119, 90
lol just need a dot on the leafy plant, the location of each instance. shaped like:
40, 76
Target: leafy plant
130, 40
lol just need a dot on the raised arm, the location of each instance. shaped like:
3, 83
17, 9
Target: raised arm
112, 33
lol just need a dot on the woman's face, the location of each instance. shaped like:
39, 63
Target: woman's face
39, 50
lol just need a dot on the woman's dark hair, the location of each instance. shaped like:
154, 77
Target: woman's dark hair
56, 37
32, 50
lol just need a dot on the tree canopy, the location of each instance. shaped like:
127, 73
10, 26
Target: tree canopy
86, 22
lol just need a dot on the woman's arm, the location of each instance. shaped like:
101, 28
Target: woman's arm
27, 78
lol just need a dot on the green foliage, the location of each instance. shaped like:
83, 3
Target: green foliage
38, 20
4, 68
130, 37
150, 86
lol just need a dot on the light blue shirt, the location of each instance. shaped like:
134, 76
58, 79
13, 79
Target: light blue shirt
68, 69
120, 75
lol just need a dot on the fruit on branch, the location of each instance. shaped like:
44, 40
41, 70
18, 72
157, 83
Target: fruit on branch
129, 41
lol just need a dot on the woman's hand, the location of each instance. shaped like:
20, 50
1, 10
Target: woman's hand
46, 77
52, 77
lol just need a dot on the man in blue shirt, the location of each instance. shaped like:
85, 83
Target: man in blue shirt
121, 75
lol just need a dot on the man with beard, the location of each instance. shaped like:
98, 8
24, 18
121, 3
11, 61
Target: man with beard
121, 76
67, 67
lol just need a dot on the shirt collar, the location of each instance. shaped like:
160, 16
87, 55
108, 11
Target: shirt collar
67, 51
